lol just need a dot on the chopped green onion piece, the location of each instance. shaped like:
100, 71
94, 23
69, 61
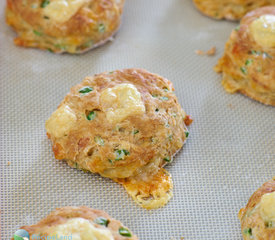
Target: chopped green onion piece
248, 62
164, 98
269, 224
244, 70
50, 50
255, 52
266, 55
154, 95
99, 140
170, 137
37, 33
102, 221
124, 232
60, 46
101, 28
186, 134
165, 89
91, 115
248, 231
120, 154
45, 3
167, 159
237, 28
136, 131
46, 17
76, 165
86, 90
34, 5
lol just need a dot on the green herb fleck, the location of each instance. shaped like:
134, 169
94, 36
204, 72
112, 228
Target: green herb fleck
186, 134
257, 53
101, 28
248, 231
37, 33
237, 28
165, 89
34, 5
45, 3
86, 90
110, 161
60, 46
269, 224
154, 95
167, 159
124, 232
99, 140
50, 50
76, 165
170, 137
248, 62
120, 154
88, 44
156, 109
102, 221
46, 17
135, 132
244, 70
91, 115
266, 55
164, 98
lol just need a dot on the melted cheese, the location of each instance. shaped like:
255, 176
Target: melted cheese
149, 192
80, 229
61, 122
121, 101
263, 30
267, 207
62, 10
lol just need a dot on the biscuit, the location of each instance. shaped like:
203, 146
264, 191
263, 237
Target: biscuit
72, 26
79, 223
229, 9
258, 217
125, 125
248, 65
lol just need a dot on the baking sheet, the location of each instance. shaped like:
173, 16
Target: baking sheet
229, 154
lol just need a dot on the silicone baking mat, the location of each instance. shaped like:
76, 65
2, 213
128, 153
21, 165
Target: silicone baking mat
229, 154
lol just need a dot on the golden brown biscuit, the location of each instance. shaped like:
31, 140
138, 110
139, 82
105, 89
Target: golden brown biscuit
125, 125
248, 64
229, 9
258, 217
72, 26
79, 223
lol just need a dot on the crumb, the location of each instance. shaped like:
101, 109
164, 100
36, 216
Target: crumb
210, 52
199, 52
230, 106
9, 163
188, 120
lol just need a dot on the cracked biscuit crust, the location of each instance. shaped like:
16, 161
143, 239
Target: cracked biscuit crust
246, 66
77, 220
122, 124
73, 26
253, 224
229, 9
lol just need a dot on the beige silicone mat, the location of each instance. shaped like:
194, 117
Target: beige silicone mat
230, 152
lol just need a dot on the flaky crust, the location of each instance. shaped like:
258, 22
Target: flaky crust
152, 138
229, 9
257, 80
62, 215
93, 24
251, 219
